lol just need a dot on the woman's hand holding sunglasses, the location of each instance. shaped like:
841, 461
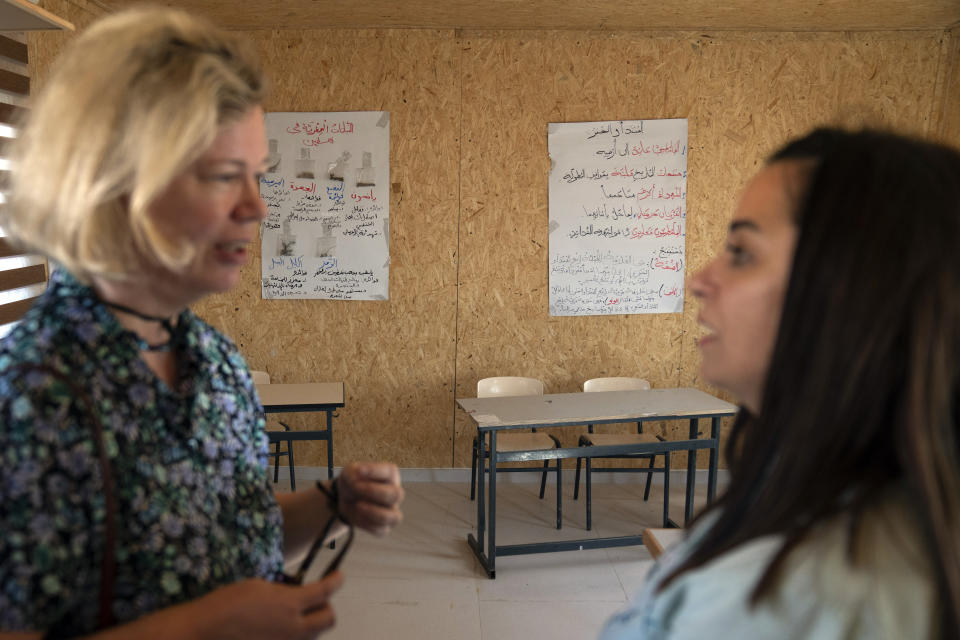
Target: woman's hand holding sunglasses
370, 496
367, 495
255, 608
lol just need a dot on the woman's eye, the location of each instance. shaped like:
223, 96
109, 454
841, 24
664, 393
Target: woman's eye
225, 177
738, 255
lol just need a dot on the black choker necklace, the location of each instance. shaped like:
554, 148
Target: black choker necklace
164, 322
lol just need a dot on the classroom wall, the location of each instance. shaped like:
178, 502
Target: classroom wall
468, 278
950, 96
46, 45
743, 94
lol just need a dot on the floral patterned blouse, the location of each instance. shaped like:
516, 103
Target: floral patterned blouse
195, 509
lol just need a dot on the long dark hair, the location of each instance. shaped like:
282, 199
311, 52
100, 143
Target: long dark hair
863, 384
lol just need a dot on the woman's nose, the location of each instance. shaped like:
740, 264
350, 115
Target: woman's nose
252, 204
700, 282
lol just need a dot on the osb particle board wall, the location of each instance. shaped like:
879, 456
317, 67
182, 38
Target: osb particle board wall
46, 45
949, 95
469, 112
396, 358
742, 94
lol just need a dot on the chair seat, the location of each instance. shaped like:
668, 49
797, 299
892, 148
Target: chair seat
514, 441
659, 540
525, 442
603, 439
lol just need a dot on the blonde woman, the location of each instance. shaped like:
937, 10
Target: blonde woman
135, 494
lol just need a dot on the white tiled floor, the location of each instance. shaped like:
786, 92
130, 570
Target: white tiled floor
422, 582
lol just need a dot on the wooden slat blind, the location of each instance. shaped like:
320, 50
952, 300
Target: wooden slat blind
9, 113
8, 249
12, 311
10, 48
22, 276
14, 82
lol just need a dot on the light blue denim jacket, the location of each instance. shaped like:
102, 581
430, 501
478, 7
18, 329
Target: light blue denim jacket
888, 593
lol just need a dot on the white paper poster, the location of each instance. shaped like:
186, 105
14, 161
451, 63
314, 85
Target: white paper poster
327, 231
618, 193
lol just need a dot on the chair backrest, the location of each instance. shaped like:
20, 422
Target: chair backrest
260, 377
616, 384
509, 386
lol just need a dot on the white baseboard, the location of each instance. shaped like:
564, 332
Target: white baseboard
677, 477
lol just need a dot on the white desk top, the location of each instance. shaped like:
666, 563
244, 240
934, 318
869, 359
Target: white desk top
312, 393
585, 408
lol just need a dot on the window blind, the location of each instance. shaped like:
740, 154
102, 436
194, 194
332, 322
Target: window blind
22, 276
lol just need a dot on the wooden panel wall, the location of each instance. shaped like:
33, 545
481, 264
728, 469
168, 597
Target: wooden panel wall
395, 357
600, 15
469, 113
949, 102
742, 93
45, 46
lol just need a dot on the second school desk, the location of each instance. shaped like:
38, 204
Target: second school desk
324, 397
501, 413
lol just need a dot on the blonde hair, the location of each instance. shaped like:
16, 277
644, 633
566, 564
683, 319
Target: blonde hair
131, 103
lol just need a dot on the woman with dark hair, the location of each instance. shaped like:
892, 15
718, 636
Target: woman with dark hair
833, 314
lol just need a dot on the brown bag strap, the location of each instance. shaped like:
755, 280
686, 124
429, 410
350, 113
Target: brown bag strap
108, 568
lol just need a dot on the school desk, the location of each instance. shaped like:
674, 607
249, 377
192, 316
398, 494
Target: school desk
320, 397
503, 413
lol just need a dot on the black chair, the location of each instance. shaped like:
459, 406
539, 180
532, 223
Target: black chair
262, 377
590, 439
513, 441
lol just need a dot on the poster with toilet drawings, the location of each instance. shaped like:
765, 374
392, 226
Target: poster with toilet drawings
618, 214
326, 187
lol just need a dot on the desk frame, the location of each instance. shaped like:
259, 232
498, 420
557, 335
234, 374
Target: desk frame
691, 446
322, 406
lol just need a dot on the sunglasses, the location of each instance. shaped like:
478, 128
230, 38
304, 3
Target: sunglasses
304, 569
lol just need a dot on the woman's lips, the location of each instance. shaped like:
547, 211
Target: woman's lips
709, 335
234, 252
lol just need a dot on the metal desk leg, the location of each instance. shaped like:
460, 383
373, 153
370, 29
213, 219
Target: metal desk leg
290, 465
329, 443
691, 473
666, 488
589, 467
559, 495
491, 541
476, 543
714, 459
481, 493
